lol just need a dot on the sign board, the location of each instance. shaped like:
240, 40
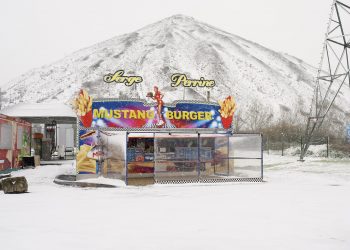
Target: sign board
182, 80
119, 77
138, 114
348, 133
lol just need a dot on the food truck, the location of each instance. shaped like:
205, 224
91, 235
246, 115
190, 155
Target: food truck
15, 139
144, 141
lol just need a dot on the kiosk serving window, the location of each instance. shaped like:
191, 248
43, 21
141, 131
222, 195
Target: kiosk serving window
6, 136
140, 154
176, 155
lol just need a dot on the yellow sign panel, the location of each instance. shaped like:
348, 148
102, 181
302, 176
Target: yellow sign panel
119, 77
181, 79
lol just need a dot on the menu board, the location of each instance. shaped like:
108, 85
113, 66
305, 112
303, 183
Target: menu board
205, 154
131, 154
139, 155
191, 153
149, 157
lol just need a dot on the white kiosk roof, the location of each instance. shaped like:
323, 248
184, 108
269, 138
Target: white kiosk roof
42, 112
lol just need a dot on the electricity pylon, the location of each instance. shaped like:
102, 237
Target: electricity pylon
333, 71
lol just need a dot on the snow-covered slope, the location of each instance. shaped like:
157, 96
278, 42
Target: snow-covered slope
178, 44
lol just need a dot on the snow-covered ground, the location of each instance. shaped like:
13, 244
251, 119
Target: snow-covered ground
300, 206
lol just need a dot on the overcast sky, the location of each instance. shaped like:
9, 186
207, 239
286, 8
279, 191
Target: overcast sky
38, 32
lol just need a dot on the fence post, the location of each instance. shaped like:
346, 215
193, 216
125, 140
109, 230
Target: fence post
327, 146
282, 139
301, 143
262, 156
198, 157
126, 159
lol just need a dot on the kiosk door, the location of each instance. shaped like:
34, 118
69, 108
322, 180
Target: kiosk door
221, 161
113, 145
213, 155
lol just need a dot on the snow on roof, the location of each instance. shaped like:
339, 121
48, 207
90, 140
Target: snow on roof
39, 110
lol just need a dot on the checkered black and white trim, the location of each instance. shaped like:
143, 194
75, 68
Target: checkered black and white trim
155, 126
213, 180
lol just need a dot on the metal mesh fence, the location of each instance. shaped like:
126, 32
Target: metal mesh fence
319, 147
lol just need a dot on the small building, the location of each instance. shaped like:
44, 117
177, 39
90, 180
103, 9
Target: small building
53, 126
15, 141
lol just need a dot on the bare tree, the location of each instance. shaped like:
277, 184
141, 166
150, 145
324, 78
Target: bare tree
238, 122
258, 117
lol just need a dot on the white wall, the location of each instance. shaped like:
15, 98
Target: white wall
65, 135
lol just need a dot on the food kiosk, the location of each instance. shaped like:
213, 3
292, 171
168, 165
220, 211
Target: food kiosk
149, 141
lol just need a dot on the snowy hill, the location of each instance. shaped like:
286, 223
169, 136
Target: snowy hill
178, 44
